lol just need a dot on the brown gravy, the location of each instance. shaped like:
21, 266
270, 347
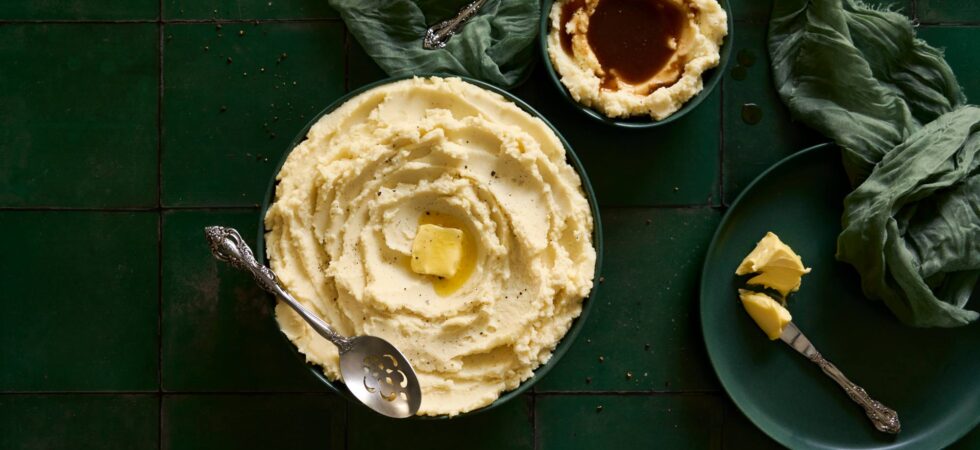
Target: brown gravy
630, 38
567, 10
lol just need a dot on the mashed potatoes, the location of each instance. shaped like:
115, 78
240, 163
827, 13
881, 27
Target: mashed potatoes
352, 196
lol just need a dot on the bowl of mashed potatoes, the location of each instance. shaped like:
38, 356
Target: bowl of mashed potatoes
636, 63
447, 217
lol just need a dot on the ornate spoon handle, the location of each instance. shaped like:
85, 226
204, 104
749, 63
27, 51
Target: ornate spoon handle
884, 418
228, 246
438, 35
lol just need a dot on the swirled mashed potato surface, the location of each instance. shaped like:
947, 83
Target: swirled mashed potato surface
350, 200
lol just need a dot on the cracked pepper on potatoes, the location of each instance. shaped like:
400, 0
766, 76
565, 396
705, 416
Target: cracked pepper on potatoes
352, 197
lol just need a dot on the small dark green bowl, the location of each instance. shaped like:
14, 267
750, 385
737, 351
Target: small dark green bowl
710, 77
571, 157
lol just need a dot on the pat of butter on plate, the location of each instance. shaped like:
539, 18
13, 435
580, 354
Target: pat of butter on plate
767, 313
775, 264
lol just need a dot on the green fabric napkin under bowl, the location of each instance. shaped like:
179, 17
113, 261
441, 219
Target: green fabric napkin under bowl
495, 46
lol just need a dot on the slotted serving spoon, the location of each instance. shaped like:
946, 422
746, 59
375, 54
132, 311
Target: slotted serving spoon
373, 369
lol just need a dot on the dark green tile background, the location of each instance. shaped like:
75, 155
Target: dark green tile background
78, 115
124, 130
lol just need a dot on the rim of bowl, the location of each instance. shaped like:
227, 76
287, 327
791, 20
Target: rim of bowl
710, 77
570, 157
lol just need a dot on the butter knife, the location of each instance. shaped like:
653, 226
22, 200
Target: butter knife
884, 418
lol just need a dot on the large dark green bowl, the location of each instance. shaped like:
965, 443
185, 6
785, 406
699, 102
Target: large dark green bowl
572, 159
931, 377
710, 77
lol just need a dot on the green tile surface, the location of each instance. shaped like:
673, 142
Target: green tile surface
80, 10
643, 332
676, 421
226, 125
965, 11
752, 148
241, 9
507, 427
78, 115
959, 43
80, 304
286, 422
79, 422
218, 328
120, 331
673, 165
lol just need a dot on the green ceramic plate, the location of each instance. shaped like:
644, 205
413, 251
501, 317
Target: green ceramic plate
710, 77
566, 341
930, 376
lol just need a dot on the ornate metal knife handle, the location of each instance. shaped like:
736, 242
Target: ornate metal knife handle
438, 35
228, 246
884, 418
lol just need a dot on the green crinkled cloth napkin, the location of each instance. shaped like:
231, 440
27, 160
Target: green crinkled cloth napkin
495, 46
911, 147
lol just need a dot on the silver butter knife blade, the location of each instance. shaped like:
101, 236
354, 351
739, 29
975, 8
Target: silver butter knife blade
795, 338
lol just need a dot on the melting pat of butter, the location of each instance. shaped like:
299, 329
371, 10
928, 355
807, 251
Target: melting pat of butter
777, 266
437, 251
766, 312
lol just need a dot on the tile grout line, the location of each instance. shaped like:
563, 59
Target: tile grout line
79, 393
159, 393
125, 209
721, 424
346, 425
162, 21
160, 38
154, 393
535, 440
